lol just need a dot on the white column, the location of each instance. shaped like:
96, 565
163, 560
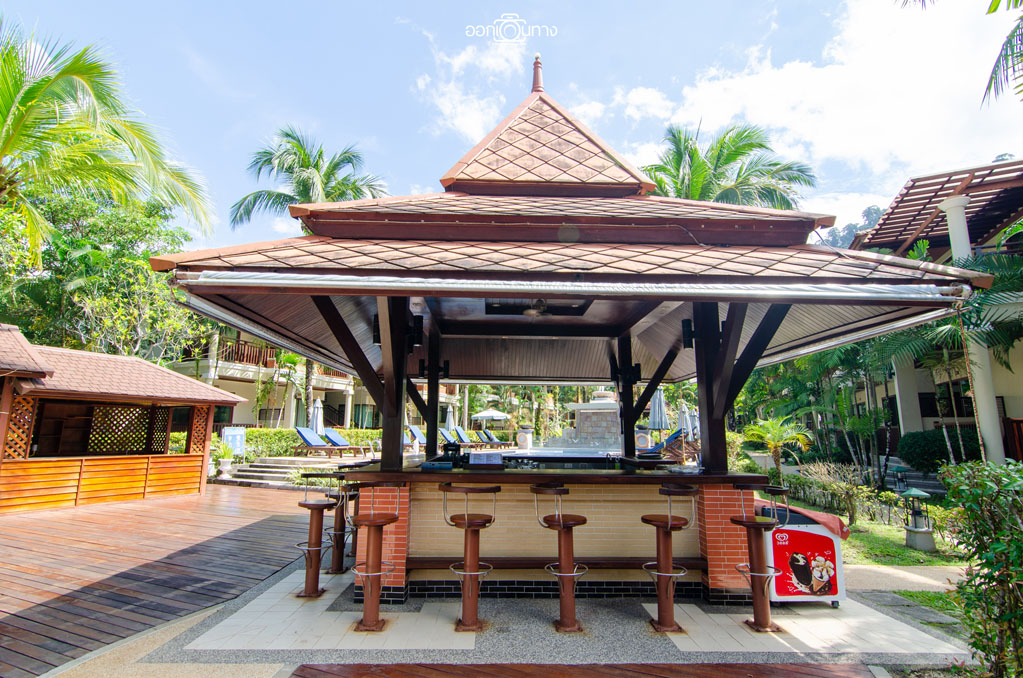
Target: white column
983, 381
907, 396
465, 407
348, 410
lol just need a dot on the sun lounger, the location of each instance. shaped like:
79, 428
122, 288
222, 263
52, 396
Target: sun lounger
335, 438
485, 439
464, 439
314, 443
494, 439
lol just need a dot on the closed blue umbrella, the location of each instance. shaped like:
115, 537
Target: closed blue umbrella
317, 423
658, 412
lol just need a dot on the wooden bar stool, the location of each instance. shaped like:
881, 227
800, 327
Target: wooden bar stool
757, 572
314, 547
663, 570
470, 570
566, 569
342, 529
374, 567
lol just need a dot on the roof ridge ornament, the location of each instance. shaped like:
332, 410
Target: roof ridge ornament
537, 74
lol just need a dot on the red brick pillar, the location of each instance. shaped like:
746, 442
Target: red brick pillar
387, 500
722, 543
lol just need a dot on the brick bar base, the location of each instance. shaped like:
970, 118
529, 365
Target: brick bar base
387, 500
446, 588
722, 543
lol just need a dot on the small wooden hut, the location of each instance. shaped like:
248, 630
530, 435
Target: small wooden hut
79, 427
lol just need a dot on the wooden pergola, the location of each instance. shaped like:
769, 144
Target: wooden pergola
545, 260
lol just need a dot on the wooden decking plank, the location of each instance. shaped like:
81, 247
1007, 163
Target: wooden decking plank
87, 576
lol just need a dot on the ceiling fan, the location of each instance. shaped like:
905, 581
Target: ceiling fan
537, 309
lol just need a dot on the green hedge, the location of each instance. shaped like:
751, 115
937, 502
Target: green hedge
281, 442
926, 451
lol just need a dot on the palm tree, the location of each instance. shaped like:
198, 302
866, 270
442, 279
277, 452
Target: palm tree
737, 167
66, 129
305, 174
776, 434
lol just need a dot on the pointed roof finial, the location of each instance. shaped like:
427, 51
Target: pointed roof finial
537, 74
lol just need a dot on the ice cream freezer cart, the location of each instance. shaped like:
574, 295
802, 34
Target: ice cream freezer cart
804, 553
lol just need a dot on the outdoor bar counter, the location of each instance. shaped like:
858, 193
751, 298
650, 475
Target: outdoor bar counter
614, 543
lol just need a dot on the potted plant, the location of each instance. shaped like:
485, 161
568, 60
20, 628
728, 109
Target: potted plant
222, 454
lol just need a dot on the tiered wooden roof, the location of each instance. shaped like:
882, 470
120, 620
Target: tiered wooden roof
543, 246
17, 357
996, 201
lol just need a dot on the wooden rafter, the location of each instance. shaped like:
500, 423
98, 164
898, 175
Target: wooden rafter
350, 345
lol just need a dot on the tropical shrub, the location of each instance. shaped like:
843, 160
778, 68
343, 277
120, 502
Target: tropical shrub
926, 451
988, 528
842, 481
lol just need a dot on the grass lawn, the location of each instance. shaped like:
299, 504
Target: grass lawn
874, 543
940, 601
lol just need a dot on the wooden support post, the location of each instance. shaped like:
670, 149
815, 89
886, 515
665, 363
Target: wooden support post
432, 391
706, 344
626, 380
393, 316
6, 403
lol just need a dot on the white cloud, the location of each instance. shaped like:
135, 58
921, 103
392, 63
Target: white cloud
589, 112
462, 86
644, 102
286, 226
847, 207
897, 92
641, 154
419, 189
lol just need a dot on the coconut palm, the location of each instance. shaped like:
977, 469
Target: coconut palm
737, 167
305, 174
66, 129
776, 434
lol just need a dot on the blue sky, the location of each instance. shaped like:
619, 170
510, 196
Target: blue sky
867, 92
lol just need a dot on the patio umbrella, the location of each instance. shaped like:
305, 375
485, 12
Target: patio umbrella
686, 423
491, 414
658, 412
317, 423
449, 423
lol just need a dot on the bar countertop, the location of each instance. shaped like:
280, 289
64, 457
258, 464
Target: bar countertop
414, 474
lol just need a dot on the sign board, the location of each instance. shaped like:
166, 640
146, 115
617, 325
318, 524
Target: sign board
234, 437
810, 560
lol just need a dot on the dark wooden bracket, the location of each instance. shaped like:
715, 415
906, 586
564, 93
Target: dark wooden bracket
343, 334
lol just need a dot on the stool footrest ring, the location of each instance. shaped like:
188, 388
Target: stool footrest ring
744, 570
485, 569
387, 568
304, 547
651, 569
578, 571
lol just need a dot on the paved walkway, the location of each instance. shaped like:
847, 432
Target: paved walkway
901, 577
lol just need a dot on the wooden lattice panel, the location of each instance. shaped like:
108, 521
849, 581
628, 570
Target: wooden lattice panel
19, 431
119, 429
161, 429
200, 420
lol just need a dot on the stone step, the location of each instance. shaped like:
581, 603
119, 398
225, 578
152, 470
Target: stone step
297, 461
253, 475
245, 482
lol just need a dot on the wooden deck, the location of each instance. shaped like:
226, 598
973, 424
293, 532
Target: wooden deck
75, 580
582, 671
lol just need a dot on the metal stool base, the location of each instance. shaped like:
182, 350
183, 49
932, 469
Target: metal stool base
660, 628
370, 628
773, 628
567, 579
338, 541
